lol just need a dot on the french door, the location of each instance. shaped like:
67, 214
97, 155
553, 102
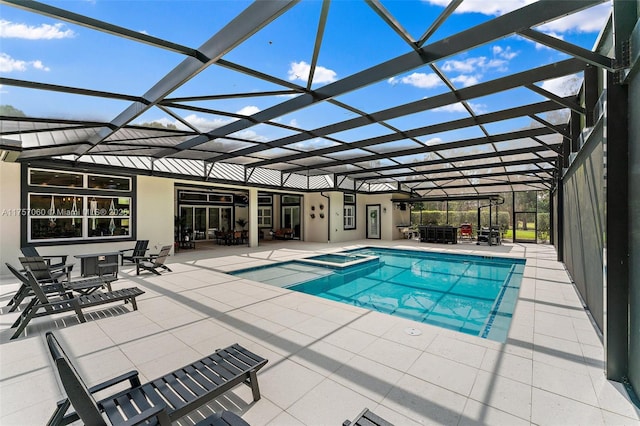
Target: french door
291, 219
198, 220
373, 221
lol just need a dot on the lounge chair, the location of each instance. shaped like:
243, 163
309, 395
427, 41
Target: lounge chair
367, 418
40, 305
59, 269
163, 400
60, 289
153, 262
44, 275
139, 250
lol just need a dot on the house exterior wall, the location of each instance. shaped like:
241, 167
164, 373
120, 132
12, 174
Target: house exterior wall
155, 211
156, 208
10, 215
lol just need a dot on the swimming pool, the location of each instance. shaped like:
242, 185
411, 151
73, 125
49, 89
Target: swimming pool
471, 294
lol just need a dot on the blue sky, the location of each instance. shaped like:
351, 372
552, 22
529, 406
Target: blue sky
41, 49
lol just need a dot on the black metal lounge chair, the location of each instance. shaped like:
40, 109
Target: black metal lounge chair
367, 418
163, 400
82, 286
140, 250
40, 305
153, 262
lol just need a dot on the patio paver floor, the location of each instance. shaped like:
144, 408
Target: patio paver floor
327, 360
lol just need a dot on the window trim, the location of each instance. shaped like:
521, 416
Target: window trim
80, 192
349, 202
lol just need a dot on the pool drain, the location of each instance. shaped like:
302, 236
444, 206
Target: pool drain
412, 331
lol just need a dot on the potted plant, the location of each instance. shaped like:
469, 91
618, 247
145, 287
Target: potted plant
242, 223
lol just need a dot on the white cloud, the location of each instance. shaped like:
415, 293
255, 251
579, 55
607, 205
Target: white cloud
39, 66
458, 107
586, 21
293, 123
249, 110
312, 144
466, 80
504, 53
10, 29
300, 71
479, 63
8, 64
563, 86
540, 46
250, 135
433, 141
486, 7
589, 20
418, 79
206, 125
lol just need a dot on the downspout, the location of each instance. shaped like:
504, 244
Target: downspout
328, 216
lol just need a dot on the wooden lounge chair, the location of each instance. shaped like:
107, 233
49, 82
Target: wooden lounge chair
41, 305
140, 250
163, 400
153, 262
81, 286
367, 418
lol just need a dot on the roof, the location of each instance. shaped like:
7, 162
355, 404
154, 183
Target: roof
431, 97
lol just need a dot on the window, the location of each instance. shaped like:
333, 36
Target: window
110, 183
57, 179
265, 199
264, 216
349, 211
68, 214
290, 199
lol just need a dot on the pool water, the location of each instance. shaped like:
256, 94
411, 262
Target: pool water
471, 294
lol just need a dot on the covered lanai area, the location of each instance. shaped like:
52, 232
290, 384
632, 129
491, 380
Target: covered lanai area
245, 134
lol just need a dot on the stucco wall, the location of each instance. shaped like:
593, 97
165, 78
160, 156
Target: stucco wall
10, 215
316, 229
155, 210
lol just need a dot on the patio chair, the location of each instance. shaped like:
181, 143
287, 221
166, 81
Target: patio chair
153, 262
139, 250
59, 268
24, 291
40, 305
367, 418
43, 275
466, 231
164, 400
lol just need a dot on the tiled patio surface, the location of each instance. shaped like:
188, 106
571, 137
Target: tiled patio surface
327, 361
